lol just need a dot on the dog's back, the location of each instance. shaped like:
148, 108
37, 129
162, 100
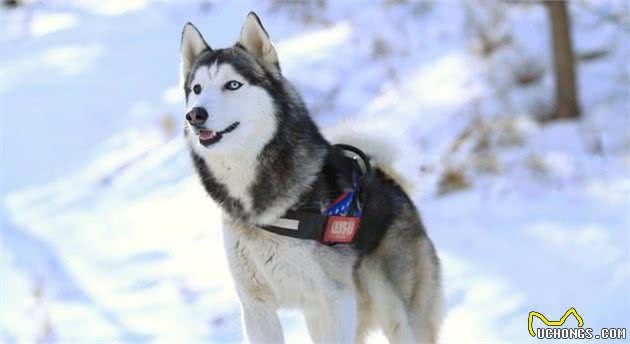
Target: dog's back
398, 278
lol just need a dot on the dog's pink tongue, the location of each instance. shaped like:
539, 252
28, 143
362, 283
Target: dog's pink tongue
206, 134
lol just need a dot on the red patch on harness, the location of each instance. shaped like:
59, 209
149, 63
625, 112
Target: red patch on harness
341, 229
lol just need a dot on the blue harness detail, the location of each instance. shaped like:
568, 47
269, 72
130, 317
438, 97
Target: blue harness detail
348, 203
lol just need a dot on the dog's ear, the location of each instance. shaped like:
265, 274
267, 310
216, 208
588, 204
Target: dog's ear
192, 45
256, 40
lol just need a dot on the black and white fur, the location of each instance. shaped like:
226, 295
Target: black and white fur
276, 159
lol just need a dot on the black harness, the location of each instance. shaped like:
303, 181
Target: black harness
339, 222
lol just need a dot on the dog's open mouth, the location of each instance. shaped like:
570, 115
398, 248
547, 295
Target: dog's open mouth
210, 137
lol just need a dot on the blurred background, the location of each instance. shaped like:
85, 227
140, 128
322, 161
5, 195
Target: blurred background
512, 119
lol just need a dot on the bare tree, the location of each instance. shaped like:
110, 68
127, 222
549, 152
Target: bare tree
564, 64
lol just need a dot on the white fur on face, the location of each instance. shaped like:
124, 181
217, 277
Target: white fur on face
232, 160
249, 105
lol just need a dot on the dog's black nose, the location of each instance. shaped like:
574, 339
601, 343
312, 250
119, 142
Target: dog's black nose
197, 116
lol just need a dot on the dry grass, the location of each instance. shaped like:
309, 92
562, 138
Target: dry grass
452, 180
591, 55
168, 125
537, 164
541, 111
309, 11
487, 163
528, 71
486, 19
380, 48
508, 133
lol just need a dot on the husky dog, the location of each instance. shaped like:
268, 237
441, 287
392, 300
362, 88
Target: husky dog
258, 155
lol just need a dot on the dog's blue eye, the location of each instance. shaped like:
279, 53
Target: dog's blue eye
197, 89
233, 85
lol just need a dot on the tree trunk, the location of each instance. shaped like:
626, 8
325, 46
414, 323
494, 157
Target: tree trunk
566, 91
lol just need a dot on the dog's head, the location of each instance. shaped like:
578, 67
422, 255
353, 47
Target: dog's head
229, 102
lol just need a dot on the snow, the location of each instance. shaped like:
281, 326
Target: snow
107, 235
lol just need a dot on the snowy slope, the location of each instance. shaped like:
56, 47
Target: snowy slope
101, 237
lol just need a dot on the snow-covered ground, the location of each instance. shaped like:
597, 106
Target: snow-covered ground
101, 237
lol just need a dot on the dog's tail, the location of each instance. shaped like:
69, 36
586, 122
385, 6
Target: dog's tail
390, 153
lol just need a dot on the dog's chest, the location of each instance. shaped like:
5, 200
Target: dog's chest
295, 272
235, 172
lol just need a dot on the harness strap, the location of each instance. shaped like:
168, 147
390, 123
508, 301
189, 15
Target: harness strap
357, 155
328, 227
299, 224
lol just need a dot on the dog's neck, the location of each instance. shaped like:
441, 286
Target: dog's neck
292, 169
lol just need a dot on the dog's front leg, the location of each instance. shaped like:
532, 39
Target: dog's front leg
332, 318
258, 304
262, 324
